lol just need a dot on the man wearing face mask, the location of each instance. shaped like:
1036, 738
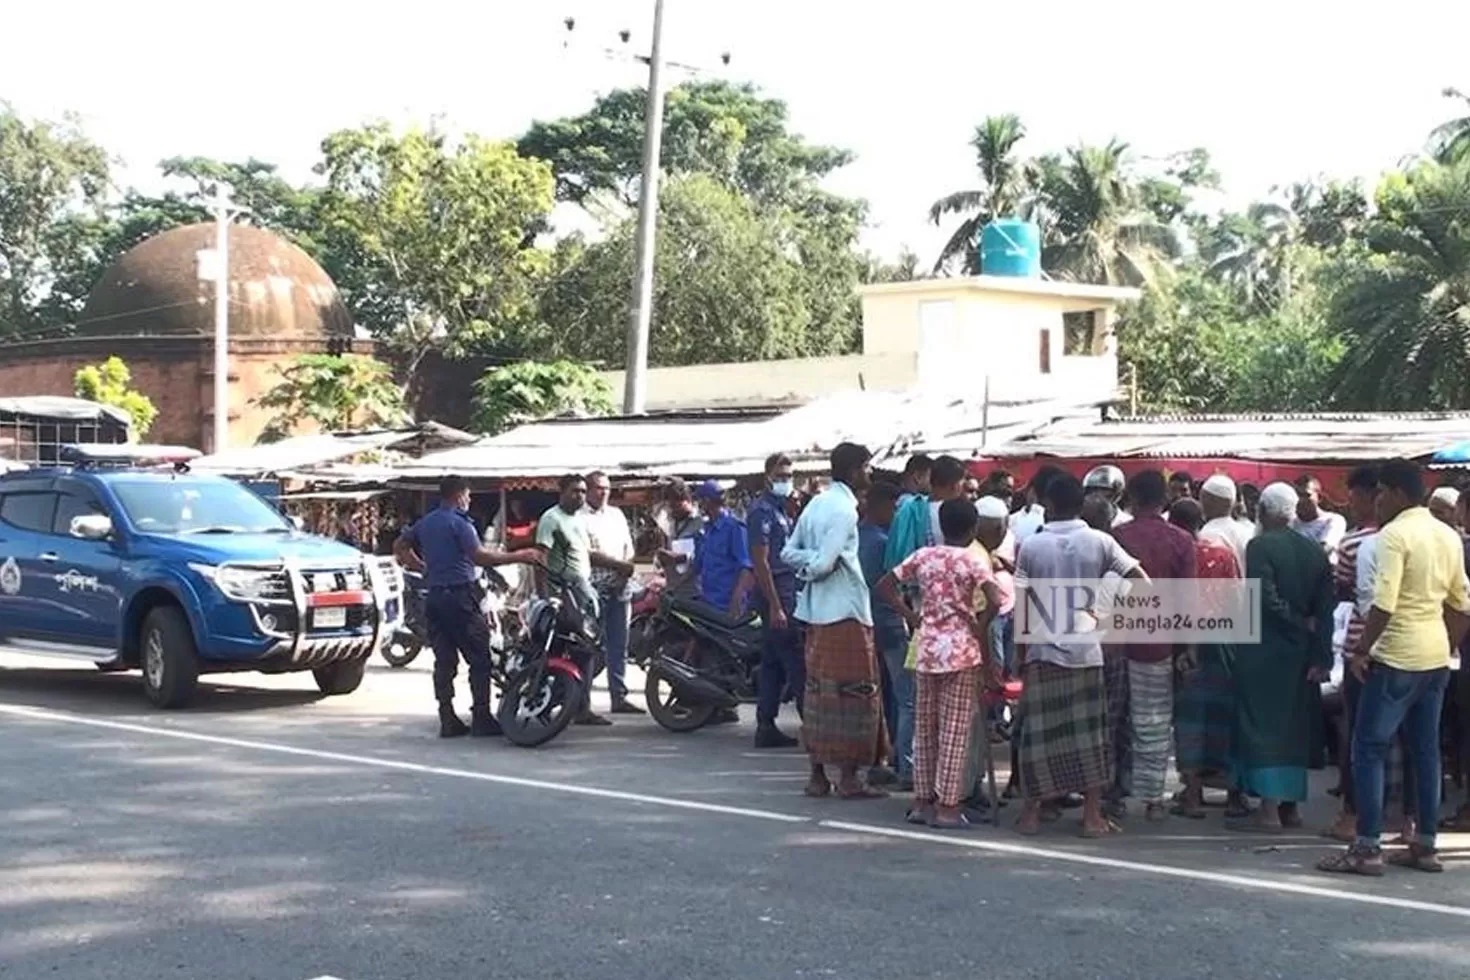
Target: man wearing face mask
444, 546
768, 526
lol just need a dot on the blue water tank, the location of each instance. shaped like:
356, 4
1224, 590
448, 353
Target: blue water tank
1011, 247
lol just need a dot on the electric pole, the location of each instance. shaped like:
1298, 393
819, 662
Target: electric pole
635, 384
224, 209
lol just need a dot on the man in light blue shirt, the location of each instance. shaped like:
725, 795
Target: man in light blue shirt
842, 724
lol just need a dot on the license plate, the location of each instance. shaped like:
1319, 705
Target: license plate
329, 619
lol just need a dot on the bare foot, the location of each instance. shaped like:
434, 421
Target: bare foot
818, 788
1029, 824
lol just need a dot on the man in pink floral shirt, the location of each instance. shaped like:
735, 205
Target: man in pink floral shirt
951, 648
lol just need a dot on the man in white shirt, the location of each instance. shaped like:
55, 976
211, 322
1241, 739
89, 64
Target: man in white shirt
1314, 523
609, 535
1217, 502
1030, 518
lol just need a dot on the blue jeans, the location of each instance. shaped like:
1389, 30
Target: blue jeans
1394, 699
1003, 639
615, 614
783, 668
901, 729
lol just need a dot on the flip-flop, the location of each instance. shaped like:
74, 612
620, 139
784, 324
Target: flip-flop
963, 823
1110, 829
920, 815
1349, 863
865, 792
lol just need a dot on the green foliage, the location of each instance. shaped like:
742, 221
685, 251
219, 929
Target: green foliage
529, 390
431, 242
725, 131
109, 383
337, 394
53, 181
734, 281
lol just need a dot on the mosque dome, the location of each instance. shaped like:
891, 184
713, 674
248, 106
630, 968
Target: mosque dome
154, 290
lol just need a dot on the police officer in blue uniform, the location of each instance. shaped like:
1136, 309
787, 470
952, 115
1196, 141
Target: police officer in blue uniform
445, 547
721, 554
782, 659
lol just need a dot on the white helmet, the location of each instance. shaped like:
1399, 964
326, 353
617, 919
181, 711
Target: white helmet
1108, 478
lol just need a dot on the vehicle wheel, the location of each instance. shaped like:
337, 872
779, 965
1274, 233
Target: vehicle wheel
666, 708
534, 713
340, 678
168, 657
401, 653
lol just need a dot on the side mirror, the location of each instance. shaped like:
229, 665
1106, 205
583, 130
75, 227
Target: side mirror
92, 527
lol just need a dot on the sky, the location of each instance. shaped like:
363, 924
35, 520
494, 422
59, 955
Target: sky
1277, 91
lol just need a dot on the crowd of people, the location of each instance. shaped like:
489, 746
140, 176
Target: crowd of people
890, 607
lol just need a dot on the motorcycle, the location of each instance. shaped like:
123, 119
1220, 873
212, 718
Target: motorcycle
412, 635
703, 661
643, 622
547, 674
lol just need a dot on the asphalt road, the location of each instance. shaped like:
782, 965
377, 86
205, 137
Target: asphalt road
272, 835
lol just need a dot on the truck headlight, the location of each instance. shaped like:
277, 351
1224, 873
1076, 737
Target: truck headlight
244, 584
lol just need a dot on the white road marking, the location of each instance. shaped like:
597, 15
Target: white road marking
1000, 847
376, 762
1168, 871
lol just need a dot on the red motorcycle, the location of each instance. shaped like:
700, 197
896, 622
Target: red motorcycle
642, 638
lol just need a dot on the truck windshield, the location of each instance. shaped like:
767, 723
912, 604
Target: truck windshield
184, 507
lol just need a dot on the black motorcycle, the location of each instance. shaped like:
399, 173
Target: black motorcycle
704, 662
412, 635
548, 671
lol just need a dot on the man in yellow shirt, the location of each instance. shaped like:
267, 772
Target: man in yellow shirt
1420, 604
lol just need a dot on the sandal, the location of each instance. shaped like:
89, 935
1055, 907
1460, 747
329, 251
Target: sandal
1353, 862
1457, 824
1418, 857
863, 792
920, 814
1090, 833
962, 823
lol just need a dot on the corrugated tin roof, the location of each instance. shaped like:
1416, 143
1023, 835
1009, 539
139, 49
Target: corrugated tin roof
1279, 437
56, 407
737, 444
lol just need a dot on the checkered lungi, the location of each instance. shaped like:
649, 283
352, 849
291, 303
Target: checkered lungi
1204, 714
945, 706
1151, 710
842, 720
1064, 732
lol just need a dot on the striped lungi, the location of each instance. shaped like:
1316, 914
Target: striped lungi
842, 721
1064, 731
1151, 710
1204, 714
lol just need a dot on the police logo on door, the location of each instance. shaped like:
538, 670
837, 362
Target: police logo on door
10, 577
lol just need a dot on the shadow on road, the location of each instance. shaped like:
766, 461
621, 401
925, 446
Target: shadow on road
121, 693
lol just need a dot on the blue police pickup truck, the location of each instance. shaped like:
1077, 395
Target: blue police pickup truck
178, 574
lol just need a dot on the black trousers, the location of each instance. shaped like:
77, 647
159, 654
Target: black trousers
457, 628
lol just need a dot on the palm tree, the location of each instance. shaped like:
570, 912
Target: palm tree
1003, 191
1251, 251
1095, 226
1450, 141
1405, 313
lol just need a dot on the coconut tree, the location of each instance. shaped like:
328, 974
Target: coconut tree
1251, 252
1095, 227
1405, 309
1450, 141
1002, 192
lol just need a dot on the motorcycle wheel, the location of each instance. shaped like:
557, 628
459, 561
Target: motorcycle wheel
666, 708
401, 652
533, 714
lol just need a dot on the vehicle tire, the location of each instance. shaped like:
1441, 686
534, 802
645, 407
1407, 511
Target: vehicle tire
534, 717
666, 708
340, 678
169, 658
402, 653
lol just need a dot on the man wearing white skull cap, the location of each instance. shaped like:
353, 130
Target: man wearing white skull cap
1217, 501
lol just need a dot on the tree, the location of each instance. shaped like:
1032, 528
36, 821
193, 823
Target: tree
52, 181
109, 383
432, 242
1403, 306
1450, 141
1003, 192
526, 391
1095, 226
336, 393
1249, 252
734, 282
725, 131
